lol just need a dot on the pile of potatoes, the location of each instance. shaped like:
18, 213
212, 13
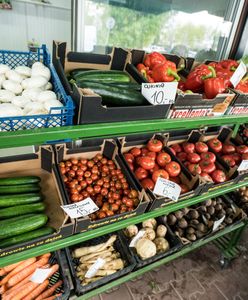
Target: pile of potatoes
197, 221
152, 242
243, 199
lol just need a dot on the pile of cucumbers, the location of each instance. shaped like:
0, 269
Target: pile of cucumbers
115, 87
22, 215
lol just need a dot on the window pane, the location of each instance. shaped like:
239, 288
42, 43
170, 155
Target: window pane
190, 28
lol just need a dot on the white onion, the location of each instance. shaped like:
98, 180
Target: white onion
33, 108
32, 94
23, 71
4, 68
43, 71
20, 101
53, 103
9, 110
14, 76
38, 64
46, 95
6, 96
34, 82
12, 86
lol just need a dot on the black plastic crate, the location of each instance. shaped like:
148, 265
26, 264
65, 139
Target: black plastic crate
119, 245
174, 242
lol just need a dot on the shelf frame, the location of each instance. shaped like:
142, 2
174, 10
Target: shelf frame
51, 135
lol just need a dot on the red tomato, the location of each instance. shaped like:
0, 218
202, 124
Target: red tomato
207, 167
131, 166
236, 157
146, 162
135, 151
173, 168
156, 167
228, 149
152, 155
154, 145
245, 156
201, 147
147, 183
163, 159
188, 147
173, 151
175, 179
229, 160
144, 152
141, 173
242, 149
129, 157
177, 148
193, 158
218, 176
208, 156
182, 156
215, 144
160, 173
206, 176
194, 169
184, 188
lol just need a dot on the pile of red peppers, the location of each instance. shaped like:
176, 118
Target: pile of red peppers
156, 68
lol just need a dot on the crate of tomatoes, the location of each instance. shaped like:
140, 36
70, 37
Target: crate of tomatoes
95, 170
197, 152
148, 159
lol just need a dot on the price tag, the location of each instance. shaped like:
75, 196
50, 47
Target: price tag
167, 188
238, 74
138, 236
40, 275
95, 267
80, 209
217, 223
243, 166
160, 93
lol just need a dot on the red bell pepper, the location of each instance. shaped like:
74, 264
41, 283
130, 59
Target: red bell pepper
165, 72
213, 87
195, 79
243, 85
153, 59
142, 69
181, 85
228, 64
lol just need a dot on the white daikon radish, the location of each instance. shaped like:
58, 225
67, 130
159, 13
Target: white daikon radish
34, 82
20, 101
46, 95
6, 96
53, 103
4, 68
14, 76
32, 94
49, 86
23, 71
9, 110
34, 108
2, 78
42, 71
12, 86
37, 64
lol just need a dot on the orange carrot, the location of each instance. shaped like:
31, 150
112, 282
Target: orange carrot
12, 291
37, 291
50, 291
25, 290
15, 271
52, 297
44, 255
7, 269
3, 289
27, 271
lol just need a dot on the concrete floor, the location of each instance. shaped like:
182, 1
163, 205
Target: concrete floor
197, 276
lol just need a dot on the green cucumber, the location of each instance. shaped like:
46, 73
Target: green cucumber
18, 199
116, 96
19, 210
19, 189
19, 225
19, 180
124, 85
26, 236
101, 76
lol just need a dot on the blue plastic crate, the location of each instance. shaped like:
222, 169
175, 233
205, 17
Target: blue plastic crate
58, 116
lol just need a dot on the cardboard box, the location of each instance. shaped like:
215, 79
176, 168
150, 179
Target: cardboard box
196, 136
186, 105
193, 183
39, 163
89, 108
88, 149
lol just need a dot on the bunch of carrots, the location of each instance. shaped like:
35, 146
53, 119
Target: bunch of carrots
16, 285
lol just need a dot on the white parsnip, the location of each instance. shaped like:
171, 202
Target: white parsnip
97, 254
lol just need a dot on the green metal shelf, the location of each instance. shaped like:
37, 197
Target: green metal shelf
44, 135
158, 263
81, 237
